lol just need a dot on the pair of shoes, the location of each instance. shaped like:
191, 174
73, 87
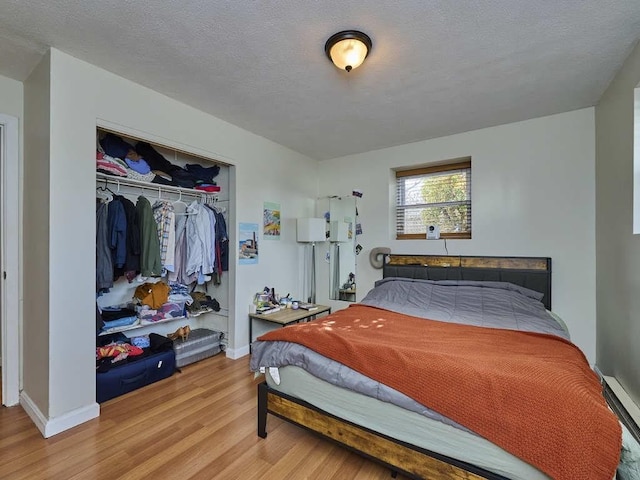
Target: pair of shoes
182, 332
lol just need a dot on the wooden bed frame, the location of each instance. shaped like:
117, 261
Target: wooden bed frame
412, 461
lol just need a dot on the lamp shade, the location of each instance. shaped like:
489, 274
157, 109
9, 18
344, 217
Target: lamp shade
310, 230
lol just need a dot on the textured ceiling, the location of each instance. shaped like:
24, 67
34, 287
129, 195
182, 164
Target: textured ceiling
436, 67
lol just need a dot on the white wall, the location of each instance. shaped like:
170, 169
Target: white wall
533, 194
83, 95
618, 250
35, 322
11, 97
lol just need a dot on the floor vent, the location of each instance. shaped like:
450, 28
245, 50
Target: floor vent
622, 405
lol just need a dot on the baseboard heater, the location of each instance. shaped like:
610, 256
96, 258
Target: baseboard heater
622, 405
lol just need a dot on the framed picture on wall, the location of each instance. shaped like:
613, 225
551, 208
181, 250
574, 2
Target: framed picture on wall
271, 221
248, 243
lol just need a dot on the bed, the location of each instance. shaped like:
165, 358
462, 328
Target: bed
338, 376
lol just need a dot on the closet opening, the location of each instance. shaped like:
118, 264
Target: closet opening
148, 181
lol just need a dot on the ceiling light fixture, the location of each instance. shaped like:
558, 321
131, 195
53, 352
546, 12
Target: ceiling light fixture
348, 49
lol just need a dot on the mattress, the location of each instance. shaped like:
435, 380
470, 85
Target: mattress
402, 424
411, 427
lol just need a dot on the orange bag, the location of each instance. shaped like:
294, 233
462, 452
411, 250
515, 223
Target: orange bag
152, 294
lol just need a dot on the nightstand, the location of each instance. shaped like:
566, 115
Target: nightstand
285, 317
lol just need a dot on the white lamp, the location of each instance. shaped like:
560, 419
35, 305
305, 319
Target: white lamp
311, 230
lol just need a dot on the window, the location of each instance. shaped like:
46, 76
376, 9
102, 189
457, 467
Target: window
438, 195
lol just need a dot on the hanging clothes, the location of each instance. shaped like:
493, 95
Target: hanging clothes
150, 263
132, 262
117, 225
165, 218
223, 238
211, 247
199, 242
221, 245
104, 262
180, 258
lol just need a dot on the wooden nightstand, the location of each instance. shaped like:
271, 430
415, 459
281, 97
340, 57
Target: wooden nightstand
285, 317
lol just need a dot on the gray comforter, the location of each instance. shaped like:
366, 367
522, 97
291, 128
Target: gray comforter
487, 304
483, 304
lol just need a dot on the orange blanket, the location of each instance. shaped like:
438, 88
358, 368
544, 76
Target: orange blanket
534, 395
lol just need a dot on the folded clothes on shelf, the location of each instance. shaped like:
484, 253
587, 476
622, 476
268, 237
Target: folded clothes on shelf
164, 312
120, 322
116, 312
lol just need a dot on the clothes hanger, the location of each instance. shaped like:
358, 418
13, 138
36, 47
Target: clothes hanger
104, 192
179, 201
105, 196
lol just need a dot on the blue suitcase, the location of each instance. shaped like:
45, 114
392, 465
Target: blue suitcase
133, 375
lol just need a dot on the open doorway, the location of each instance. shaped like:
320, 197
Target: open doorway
10, 236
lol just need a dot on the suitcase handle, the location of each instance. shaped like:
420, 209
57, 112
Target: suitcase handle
136, 379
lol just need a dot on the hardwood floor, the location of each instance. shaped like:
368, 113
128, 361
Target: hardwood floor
198, 424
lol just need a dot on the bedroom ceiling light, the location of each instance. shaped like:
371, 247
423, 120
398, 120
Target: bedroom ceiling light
348, 49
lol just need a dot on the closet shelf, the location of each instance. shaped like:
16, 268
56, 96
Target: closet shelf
223, 312
137, 326
128, 182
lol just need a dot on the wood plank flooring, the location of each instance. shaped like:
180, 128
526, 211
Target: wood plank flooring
199, 424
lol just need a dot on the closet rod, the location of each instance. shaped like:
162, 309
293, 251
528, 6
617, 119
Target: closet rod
128, 182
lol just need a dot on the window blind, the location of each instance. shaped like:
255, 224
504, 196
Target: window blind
439, 195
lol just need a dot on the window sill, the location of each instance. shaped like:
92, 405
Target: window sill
423, 236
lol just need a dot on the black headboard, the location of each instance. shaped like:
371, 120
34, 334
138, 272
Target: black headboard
533, 273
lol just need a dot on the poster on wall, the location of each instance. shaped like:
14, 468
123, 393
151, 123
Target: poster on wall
248, 243
271, 221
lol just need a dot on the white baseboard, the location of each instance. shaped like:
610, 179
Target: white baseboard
52, 426
236, 353
629, 405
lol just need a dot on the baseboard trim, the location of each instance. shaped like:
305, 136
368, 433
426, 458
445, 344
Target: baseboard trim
236, 353
53, 426
623, 405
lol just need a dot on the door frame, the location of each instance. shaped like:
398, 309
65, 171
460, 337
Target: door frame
11, 232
